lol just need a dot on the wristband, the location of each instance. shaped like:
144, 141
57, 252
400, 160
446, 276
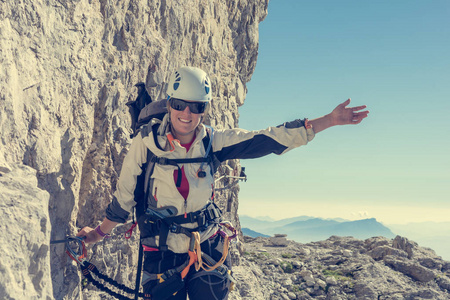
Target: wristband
101, 233
307, 124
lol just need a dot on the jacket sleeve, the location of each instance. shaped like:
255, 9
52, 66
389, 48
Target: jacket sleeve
123, 200
241, 144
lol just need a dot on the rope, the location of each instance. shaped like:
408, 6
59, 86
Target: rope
203, 265
87, 268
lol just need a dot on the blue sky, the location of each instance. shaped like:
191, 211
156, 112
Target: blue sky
393, 56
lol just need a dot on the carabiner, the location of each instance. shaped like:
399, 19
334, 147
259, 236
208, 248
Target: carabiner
80, 255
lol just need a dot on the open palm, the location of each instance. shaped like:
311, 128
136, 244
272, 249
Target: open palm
343, 115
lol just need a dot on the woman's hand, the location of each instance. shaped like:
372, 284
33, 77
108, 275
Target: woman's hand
91, 235
343, 115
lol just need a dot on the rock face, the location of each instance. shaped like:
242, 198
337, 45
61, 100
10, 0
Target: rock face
69, 67
25, 227
341, 268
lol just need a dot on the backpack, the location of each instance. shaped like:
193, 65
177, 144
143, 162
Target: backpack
136, 106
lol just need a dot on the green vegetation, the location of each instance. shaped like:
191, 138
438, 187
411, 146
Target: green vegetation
338, 275
252, 256
287, 267
263, 255
295, 288
331, 273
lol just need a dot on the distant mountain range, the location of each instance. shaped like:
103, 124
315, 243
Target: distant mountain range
306, 229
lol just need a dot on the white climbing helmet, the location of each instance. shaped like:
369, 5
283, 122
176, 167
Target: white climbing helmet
190, 84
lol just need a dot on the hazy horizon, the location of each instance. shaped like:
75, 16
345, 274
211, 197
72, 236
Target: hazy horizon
429, 234
266, 217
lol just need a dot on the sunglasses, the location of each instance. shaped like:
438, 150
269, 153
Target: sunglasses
194, 107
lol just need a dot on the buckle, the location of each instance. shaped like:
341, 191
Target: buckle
169, 273
174, 228
203, 228
161, 160
211, 213
223, 270
201, 219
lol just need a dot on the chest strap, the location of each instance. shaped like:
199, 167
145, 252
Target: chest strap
174, 162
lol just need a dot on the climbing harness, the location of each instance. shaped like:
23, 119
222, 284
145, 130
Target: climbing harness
171, 281
161, 222
165, 220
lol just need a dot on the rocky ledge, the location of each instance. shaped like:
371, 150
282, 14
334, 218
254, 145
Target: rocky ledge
340, 268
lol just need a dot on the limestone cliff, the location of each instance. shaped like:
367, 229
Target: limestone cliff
25, 227
67, 70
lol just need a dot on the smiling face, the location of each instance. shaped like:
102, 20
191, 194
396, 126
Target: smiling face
184, 124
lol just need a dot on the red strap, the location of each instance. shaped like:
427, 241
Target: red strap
147, 248
129, 232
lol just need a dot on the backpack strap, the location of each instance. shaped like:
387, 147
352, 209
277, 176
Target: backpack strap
207, 142
142, 187
155, 128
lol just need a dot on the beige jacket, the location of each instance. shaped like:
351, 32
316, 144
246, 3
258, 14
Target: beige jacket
226, 144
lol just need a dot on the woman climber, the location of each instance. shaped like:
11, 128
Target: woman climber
180, 226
